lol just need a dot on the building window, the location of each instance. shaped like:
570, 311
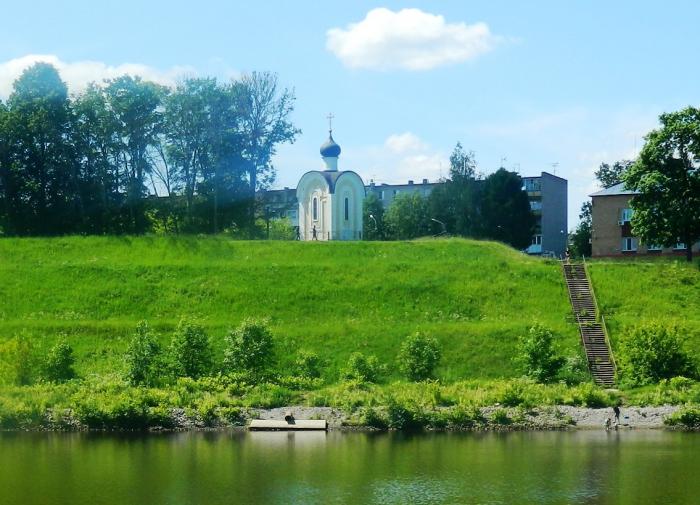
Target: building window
347, 208
381, 195
314, 209
537, 240
535, 205
654, 247
680, 246
626, 216
629, 244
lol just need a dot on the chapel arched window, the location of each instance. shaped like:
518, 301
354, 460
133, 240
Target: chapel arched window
314, 209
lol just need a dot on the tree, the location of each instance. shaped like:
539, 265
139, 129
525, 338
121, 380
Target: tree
456, 201
362, 368
249, 348
651, 352
142, 357
667, 178
372, 217
418, 357
39, 178
505, 210
264, 111
190, 351
609, 175
136, 117
407, 217
537, 355
581, 238
58, 365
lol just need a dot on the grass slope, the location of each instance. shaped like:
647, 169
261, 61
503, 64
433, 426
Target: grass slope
634, 292
333, 298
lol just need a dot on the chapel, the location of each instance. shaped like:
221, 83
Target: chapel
330, 200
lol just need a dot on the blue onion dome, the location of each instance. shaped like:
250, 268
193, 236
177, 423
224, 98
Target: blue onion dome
330, 149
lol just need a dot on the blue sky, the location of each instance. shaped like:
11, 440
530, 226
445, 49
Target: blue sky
523, 84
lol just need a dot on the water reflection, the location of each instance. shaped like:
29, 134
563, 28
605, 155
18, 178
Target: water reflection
583, 467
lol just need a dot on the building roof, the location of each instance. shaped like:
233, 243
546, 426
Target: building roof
617, 189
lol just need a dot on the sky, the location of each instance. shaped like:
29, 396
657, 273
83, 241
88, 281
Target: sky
532, 86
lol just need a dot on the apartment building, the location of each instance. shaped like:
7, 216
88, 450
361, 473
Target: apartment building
611, 235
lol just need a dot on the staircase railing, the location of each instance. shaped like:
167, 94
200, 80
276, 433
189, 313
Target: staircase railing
599, 314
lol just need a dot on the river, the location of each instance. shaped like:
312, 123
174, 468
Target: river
626, 467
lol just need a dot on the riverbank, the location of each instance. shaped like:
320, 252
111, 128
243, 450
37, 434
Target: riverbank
494, 418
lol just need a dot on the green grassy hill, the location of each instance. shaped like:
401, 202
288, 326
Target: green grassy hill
633, 292
332, 298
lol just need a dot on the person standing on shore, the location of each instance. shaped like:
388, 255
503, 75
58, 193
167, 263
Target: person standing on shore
616, 410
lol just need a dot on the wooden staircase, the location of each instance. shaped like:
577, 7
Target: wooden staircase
591, 326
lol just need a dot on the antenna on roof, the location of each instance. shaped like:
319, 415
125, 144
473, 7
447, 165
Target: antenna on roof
554, 167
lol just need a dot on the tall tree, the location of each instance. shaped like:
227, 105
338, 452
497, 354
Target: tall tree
265, 123
407, 217
581, 238
609, 175
456, 201
667, 177
505, 209
40, 184
135, 106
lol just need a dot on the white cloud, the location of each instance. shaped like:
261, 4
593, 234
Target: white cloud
408, 39
401, 143
78, 74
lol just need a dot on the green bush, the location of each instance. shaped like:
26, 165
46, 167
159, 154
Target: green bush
402, 417
500, 416
419, 356
307, 364
190, 350
652, 352
249, 348
142, 357
362, 368
537, 355
18, 360
58, 364
688, 417
373, 418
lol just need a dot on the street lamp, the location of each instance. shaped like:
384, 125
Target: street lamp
444, 228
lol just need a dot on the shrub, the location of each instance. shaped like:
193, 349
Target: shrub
58, 364
190, 350
574, 371
18, 360
373, 418
500, 416
419, 356
249, 348
652, 352
688, 417
142, 357
362, 368
401, 417
307, 364
537, 355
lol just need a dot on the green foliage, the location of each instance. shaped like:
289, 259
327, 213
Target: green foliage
653, 351
281, 229
249, 348
581, 238
142, 357
609, 175
401, 416
418, 357
373, 227
18, 360
667, 177
407, 217
307, 364
500, 416
688, 417
362, 368
505, 210
190, 351
58, 364
537, 354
